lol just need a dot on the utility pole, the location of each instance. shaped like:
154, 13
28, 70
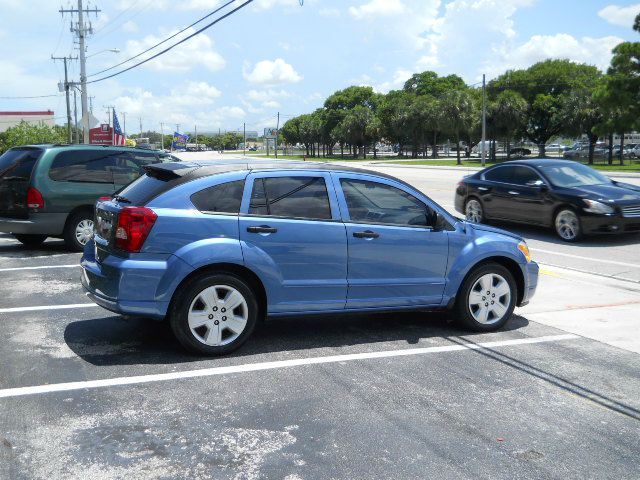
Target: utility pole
66, 92
196, 132
140, 118
244, 138
177, 128
484, 120
276, 139
162, 133
124, 123
75, 114
109, 113
81, 32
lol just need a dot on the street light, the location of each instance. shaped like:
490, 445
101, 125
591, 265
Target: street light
113, 50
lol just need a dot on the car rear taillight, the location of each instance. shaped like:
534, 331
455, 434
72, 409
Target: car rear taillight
34, 198
104, 199
134, 225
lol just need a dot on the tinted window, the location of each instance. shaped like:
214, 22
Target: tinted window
500, 174
84, 166
378, 203
574, 175
19, 162
525, 176
225, 198
300, 197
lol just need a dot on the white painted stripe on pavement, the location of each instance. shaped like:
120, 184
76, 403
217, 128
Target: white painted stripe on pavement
253, 367
611, 262
48, 307
13, 269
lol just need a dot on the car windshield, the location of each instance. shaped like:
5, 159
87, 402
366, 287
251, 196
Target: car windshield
574, 176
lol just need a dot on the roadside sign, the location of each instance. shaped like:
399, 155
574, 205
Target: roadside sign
270, 132
102, 135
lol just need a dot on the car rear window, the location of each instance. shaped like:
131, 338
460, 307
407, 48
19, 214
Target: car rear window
296, 197
19, 162
144, 188
223, 198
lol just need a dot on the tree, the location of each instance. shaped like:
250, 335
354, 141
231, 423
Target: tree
392, 114
29, 133
428, 83
583, 114
354, 127
457, 104
507, 113
543, 86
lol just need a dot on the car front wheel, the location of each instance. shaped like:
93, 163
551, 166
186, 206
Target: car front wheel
567, 225
473, 211
486, 298
214, 314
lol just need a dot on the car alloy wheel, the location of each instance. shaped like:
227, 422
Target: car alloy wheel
84, 231
489, 299
473, 211
567, 225
218, 315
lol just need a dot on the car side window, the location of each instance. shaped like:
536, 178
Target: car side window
223, 198
525, 176
374, 202
297, 197
500, 174
83, 166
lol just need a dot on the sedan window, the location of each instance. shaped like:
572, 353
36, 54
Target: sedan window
296, 197
500, 174
577, 175
525, 176
374, 202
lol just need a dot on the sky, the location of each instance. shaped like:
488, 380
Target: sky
279, 56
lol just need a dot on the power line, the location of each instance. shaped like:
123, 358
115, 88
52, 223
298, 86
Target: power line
165, 40
176, 44
35, 96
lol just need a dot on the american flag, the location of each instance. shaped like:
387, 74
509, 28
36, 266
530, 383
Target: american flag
118, 137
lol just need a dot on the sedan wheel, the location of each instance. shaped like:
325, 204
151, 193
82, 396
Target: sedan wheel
473, 211
486, 298
213, 314
567, 225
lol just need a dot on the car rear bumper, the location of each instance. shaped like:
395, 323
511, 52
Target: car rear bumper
36, 224
129, 286
609, 224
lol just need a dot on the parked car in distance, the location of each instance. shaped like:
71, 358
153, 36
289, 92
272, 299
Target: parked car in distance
215, 248
50, 190
570, 197
582, 152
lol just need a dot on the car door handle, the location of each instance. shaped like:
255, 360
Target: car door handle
512, 192
484, 189
366, 234
261, 229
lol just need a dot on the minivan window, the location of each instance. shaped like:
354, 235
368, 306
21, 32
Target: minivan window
86, 166
298, 197
374, 202
223, 198
18, 163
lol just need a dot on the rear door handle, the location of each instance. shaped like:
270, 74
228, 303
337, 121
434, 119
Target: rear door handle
366, 234
261, 229
512, 192
484, 189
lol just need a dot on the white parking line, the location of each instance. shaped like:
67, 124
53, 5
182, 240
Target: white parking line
48, 307
13, 269
611, 262
253, 367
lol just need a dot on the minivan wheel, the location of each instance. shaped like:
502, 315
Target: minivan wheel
567, 225
486, 299
473, 211
29, 240
214, 314
79, 230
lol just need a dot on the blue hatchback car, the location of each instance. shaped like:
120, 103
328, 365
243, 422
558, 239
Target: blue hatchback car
214, 248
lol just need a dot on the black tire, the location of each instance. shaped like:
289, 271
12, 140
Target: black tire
462, 311
188, 294
571, 223
70, 239
29, 240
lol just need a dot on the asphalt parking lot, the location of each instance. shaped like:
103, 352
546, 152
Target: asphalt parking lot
86, 394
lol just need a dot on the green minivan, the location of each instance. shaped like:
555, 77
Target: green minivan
51, 190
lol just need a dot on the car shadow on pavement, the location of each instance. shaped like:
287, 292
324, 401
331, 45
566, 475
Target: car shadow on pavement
115, 340
531, 232
18, 250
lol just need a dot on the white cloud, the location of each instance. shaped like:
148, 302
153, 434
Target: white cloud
130, 27
267, 72
195, 52
400, 76
266, 95
267, 4
199, 4
377, 8
622, 16
329, 12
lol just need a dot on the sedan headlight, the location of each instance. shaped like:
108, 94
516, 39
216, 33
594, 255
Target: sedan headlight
596, 207
522, 246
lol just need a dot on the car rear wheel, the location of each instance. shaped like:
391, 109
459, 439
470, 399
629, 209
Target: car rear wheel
79, 230
30, 240
486, 299
214, 314
473, 211
567, 225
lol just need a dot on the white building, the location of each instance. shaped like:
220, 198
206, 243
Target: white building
11, 119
